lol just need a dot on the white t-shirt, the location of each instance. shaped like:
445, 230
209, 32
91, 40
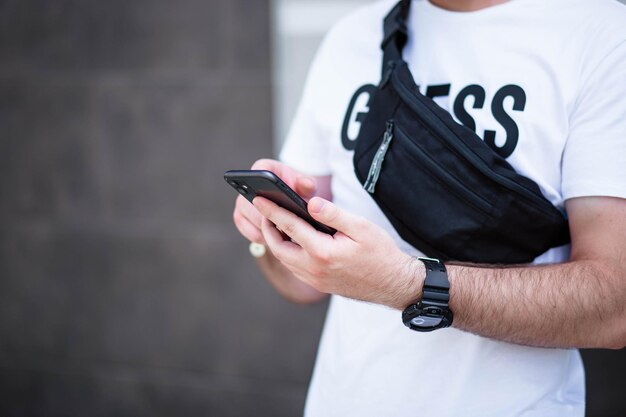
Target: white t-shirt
548, 79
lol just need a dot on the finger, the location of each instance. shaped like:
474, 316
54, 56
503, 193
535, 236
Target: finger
329, 214
248, 230
293, 226
284, 250
265, 163
281, 170
247, 210
306, 186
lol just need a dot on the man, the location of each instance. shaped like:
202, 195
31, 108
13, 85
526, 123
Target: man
546, 80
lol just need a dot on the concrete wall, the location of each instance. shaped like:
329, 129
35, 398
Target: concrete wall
124, 288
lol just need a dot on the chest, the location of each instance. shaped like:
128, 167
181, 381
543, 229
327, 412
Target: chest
519, 106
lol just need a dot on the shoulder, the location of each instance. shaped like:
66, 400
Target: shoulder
354, 37
596, 31
598, 20
364, 18
362, 27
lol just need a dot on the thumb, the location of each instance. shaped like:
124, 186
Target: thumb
329, 214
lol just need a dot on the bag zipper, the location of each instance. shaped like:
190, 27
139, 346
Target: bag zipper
425, 113
379, 157
447, 180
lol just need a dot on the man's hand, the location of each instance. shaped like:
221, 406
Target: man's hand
248, 222
247, 219
360, 261
579, 303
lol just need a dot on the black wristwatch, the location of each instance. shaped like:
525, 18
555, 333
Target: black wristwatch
432, 311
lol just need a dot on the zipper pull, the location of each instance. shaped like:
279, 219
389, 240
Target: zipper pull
388, 71
379, 157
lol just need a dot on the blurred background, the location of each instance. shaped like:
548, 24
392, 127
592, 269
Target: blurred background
125, 289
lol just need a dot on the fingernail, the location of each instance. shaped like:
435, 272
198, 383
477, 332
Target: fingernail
316, 205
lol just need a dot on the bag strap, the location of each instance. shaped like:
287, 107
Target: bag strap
395, 33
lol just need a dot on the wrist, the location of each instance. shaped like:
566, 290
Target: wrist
413, 283
432, 310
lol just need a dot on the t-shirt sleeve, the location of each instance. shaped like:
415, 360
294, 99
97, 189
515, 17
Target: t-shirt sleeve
594, 158
307, 142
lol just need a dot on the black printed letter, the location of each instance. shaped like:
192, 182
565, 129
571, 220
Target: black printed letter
459, 104
512, 131
347, 142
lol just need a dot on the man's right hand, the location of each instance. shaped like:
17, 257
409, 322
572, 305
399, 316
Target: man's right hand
247, 218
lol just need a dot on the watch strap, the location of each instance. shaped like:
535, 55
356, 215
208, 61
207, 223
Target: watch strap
436, 288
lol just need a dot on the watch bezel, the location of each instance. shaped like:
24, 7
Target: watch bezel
419, 309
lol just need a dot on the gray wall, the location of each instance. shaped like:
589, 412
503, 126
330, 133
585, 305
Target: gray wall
124, 288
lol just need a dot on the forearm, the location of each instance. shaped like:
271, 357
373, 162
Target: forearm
581, 303
576, 304
285, 283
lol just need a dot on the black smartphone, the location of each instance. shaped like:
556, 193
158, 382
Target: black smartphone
252, 183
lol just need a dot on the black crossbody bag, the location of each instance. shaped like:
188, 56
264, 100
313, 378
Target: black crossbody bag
444, 190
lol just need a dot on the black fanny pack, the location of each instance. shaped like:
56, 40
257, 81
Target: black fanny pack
445, 191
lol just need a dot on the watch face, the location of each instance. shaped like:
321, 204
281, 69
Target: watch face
425, 321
